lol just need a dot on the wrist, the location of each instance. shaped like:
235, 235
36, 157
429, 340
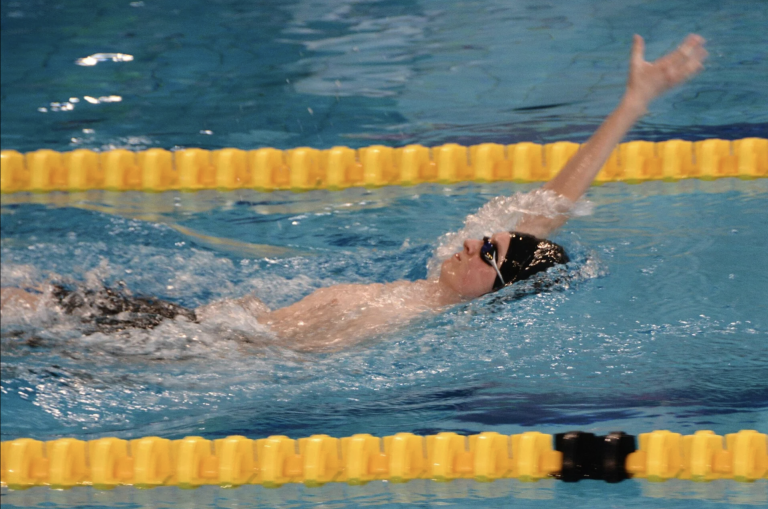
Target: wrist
633, 105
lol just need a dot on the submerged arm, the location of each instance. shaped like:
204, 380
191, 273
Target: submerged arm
647, 81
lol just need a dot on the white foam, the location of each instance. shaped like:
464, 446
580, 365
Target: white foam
229, 327
503, 213
18, 275
228, 330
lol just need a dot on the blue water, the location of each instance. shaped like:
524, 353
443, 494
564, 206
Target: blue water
661, 327
661, 323
326, 72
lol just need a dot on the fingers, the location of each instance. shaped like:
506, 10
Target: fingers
691, 42
685, 61
692, 54
699, 53
693, 48
638, 50
694, 64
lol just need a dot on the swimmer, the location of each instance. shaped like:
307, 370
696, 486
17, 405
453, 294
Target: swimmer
329, 318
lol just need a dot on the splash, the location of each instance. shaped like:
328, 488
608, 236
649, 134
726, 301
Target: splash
503, 213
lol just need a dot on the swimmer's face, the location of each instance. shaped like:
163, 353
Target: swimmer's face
467, 274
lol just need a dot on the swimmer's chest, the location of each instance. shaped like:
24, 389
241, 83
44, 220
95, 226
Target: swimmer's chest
346, 313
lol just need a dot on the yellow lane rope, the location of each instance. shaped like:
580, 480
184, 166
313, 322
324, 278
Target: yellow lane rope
340, 167
236, 460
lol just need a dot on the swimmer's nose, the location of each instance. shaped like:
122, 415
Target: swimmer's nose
473, 246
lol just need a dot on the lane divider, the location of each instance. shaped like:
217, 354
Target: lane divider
272, 462
306, 168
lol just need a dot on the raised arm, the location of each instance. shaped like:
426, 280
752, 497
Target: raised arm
646, 82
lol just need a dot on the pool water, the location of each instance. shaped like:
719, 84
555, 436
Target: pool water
659, 324
288, 73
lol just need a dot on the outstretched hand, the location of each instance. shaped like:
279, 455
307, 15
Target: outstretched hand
649, 80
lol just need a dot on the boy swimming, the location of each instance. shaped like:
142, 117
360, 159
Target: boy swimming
329, 317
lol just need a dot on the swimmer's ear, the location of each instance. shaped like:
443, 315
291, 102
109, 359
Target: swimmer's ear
638, 51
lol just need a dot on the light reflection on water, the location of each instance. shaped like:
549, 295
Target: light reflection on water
97, 58
326, 73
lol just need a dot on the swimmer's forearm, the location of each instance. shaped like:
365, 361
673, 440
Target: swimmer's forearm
580, 171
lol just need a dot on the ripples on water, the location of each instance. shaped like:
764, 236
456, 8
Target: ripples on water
656, 324
328, 72
659, 324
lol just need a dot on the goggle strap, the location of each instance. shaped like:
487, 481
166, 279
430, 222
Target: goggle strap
496, 267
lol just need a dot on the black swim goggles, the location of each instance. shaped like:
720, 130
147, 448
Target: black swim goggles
488, 255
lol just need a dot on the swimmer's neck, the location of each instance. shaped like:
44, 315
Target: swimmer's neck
436, 294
